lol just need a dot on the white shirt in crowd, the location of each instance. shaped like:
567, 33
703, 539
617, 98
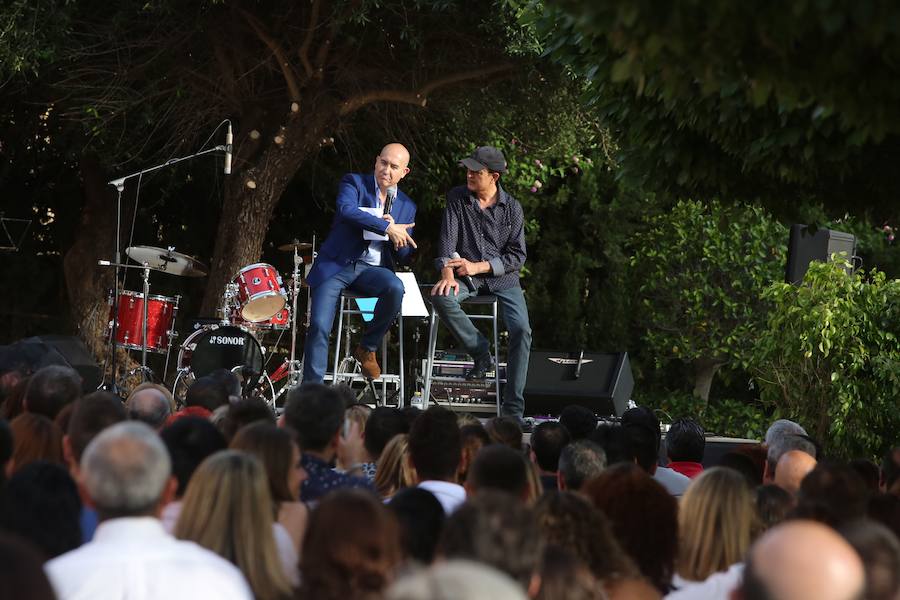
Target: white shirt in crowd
134, 558
674, 482
717, 586
450, 495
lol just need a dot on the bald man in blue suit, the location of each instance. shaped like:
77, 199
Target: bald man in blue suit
346, 260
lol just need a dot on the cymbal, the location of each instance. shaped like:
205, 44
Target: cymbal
167, 261
300, 246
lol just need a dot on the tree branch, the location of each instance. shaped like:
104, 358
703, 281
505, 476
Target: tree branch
303, 53
290, 77
418, 97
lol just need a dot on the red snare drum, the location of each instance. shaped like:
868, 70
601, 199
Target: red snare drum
260, 292
161, 312
281, 320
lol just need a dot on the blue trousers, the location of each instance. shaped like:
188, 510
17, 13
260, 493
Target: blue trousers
514, 313
362, 278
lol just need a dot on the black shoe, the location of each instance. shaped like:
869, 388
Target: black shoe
481, 368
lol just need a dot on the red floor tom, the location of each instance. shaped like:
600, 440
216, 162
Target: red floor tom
161, 311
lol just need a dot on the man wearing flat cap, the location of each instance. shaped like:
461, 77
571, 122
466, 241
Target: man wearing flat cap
481, 250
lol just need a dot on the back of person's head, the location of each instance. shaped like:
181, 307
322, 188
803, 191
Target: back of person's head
244, 412
564, 575
227, 509
500, 468
749, 460
150, 406
473, 438
613, 439
773, 504
206, 392
21, 570
229, 381
315, 412
643, 415
434, 445
833, 494
394, 471
275, 448
91, 415
569, 520
792, 468
879, 550
868, 471
189, 441
421, 519
890, 470
51, 388
782, 428
547, 441
800, 560
644, 447
35, 437
359, 414
382, 425
456, 580
125, 470
717, 522
579, 421
494, 529
351, 548
885, 509
43, 506
644, 517
411, 413
506, 431
784, 436
579, 462
685, 441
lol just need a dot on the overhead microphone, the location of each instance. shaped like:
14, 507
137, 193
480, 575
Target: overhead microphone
467, 279
228, 147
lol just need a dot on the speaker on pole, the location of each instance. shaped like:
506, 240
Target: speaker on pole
601, 382
807, 244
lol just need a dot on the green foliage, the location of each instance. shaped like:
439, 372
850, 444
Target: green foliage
724, 417
829, 357
699, 271
737, 99
31, 32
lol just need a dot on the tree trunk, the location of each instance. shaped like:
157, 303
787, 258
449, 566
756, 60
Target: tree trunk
704, 370
87, 283
251, 195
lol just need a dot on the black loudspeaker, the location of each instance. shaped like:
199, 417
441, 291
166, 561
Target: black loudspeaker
806, 246
600, 382
30, 354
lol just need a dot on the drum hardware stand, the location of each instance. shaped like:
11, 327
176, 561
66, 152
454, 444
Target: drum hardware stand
119, 184
9, 244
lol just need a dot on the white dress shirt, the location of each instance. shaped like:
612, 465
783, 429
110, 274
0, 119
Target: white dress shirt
134, 558
450, 495
717, 586
674, 482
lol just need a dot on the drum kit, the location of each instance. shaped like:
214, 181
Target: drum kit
254, 303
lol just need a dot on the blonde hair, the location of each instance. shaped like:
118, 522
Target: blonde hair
716, 523
228, 509
358, 413
394, 471
535, 485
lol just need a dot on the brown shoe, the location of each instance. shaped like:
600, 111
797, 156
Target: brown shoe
367, 362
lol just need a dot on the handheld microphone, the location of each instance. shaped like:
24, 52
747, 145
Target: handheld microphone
467, 279
389, 199
228, 141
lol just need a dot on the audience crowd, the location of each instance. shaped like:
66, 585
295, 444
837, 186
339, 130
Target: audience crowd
103, 497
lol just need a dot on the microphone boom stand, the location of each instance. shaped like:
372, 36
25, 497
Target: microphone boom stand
119, 184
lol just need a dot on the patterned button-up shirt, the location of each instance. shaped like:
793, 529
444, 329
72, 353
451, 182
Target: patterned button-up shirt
323, 479
495, 235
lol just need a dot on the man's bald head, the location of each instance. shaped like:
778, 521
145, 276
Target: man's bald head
391, 166
792, 467
802, 560
150, 406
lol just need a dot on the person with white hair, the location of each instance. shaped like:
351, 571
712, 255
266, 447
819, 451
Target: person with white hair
126, 474
457, 580
782, 437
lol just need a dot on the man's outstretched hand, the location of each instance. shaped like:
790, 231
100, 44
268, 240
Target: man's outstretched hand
398, 234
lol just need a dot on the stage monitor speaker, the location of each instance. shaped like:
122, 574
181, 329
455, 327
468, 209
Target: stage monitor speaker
31, 354
601, 382
806, 246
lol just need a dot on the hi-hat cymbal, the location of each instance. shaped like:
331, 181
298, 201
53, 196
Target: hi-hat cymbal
167, 261
299, 246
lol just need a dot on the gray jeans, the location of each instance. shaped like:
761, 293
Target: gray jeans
514, 313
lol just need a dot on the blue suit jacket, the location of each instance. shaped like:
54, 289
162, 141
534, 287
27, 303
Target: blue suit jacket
345, 243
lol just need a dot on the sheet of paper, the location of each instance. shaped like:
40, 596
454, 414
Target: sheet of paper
413, 304
370, 236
